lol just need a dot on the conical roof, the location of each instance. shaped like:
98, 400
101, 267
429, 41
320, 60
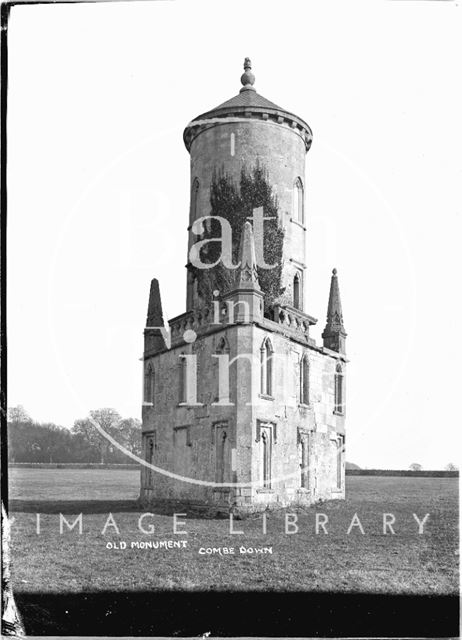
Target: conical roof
248, 104
247, 99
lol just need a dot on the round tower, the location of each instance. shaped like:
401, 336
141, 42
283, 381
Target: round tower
242, 133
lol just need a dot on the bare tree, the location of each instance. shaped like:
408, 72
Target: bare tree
451, 467
18, 414
109, 421
130, 434
415, 467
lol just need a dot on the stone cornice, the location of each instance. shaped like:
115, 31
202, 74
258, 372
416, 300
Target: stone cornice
244, 113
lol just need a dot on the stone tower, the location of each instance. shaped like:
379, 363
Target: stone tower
242, 410
238, 134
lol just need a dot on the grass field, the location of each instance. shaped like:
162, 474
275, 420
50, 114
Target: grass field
404, 563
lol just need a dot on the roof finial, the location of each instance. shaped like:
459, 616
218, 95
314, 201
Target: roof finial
247, 78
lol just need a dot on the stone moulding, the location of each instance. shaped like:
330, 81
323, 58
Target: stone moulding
239, 114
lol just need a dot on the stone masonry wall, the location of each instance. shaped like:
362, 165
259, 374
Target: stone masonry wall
185, 436
281, 151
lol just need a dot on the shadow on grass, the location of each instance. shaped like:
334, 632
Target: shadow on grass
238, 614
73, 506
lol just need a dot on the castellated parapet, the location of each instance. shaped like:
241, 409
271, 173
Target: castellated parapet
242, 411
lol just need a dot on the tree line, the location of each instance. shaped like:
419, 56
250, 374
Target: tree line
31, 441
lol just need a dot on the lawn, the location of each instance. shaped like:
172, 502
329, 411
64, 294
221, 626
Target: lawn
404, 563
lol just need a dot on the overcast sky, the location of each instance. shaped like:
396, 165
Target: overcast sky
98, 188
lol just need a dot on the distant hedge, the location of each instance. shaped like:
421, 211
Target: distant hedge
71, 465
402, 473
133, 467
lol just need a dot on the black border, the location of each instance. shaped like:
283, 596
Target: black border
239, 614
5, 12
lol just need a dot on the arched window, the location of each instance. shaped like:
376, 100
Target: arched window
340, 449
182, 379
149, 385
194, 200
232, 144
152, 386
266, 359
150, 446
305, 380
338, 389
298, 201
266, 458
221, 374
223, 346
303, 461
147, 381
297, 291
223, 456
